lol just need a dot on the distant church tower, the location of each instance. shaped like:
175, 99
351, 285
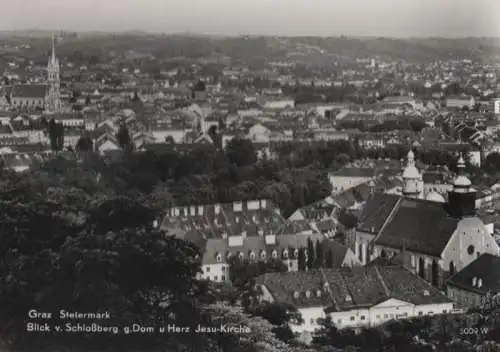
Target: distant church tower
54, 98
413, 185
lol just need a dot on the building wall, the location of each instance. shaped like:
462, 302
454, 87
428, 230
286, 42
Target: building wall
342, 183
391, 309
470, 231
215, 272
463, 298
28, 102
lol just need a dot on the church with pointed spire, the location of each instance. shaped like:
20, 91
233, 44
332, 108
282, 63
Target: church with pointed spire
53, 80
433, 239
40, 96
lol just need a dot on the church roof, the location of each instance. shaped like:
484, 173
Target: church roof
376, 210
37, 91
418, 226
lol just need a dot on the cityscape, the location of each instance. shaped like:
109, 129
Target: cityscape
246, 193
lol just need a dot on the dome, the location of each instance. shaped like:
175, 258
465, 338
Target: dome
411, 172
462, 181
435, 197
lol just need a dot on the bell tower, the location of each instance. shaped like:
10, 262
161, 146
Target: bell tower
462, 199
53, 79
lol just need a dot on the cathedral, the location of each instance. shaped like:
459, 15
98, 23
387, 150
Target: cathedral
431, 237
46, 96
53, 79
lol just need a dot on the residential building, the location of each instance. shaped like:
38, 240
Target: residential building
353, 297
471, 286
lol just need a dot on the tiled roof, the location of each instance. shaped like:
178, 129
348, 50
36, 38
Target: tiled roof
376, 211
418, 225
29, 91
486, 268
350, 288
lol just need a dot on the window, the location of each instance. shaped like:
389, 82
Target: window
263, 255
219, 258
339, 321
386, 316
362, 317
275, 254
420, 313
352, 318
308, 294
470, 249
377, 316
445, 311
252, 256
207, 269
285, 254
223, 278
296, 294
216, 278
312, 320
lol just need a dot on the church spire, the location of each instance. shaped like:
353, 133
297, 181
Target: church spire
53, 56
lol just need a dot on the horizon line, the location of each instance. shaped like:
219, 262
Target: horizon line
239, 35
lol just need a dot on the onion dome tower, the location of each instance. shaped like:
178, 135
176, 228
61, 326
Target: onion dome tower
462, 199
412, 179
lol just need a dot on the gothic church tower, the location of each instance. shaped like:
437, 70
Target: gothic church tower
54, 97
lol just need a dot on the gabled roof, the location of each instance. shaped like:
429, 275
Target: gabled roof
418, 225
486, 268
376, 211
350, 288
36, 91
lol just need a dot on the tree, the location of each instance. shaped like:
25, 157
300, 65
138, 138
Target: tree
69, 266
241, 152
329, 259
310, 254
301, 260
124, 139
319, 260
56, 135
84, 145
280, 315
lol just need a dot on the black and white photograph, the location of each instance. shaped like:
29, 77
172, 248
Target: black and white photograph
250, 176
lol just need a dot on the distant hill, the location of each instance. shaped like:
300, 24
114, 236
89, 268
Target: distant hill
251, 47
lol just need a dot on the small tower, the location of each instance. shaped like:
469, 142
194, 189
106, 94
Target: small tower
412, 179
462, 199
53, 78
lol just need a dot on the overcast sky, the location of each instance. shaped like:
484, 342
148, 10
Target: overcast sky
396, 18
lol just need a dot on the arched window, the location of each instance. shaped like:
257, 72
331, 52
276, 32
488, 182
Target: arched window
285, 254
251, 256
275, 254
452, 268
263, 255
219, 258
421, 268
296, 253
435, 273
